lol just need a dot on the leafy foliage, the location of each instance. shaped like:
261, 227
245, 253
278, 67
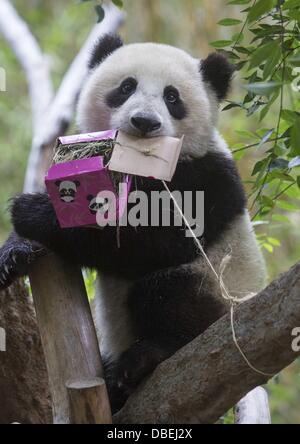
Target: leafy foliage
267, 52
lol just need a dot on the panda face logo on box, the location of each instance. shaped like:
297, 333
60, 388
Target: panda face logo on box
98, 204
67, 190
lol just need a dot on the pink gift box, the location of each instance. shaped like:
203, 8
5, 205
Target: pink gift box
74, 186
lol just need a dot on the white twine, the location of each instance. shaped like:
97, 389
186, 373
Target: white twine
225, 293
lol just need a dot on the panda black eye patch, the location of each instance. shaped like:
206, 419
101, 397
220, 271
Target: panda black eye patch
174, 103
120, 95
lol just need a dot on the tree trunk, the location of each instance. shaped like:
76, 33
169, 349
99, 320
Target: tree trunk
202, 381
24, 395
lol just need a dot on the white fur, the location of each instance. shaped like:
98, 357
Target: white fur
246, 271
112, 316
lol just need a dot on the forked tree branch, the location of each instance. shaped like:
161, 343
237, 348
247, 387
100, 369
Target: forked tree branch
30, 56
207, 377
51, 114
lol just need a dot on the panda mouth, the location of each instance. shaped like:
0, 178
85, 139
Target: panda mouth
140, 134
67, 199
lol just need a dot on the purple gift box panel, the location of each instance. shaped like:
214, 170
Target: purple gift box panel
89, 137
73, 188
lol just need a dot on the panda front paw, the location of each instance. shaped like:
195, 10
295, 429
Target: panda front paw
31, 215
16, 258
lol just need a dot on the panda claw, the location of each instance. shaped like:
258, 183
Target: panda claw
15, 259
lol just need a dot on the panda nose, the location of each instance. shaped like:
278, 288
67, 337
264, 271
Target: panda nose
145, 125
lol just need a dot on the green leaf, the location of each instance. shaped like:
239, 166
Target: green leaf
118, 3
295, 137
298, 181
266, 137
242, 50
281, 218
233, 105
289, 116
260, 8
229, 22
267, 202
100, 13
263, 88
221, 43
279, 164
259, 166
278, 174
266, 109
287, 206
268, 247
274, 242
262, 54
272, 61
295, 14
294, 162
247, 134
291, 4
254, 108
239, 2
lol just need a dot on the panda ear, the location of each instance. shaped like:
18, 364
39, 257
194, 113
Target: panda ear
104, 47
90, 197
77, 183
218, 72
57, 183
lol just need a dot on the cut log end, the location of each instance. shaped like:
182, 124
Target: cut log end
89, 402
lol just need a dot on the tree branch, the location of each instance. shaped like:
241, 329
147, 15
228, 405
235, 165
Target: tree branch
60, 113
207, 377
55, 113
30, 56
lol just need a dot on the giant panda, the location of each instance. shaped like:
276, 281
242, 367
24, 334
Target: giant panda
155, 293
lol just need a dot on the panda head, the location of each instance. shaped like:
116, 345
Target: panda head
98, 204
153, 90
67, 190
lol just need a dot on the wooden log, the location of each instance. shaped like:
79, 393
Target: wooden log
67, 330
88, 402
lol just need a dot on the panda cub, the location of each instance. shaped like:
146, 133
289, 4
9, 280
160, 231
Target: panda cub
155, 293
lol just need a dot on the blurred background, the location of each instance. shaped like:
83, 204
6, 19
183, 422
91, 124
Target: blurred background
61, 27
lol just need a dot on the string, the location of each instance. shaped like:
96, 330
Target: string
225, 293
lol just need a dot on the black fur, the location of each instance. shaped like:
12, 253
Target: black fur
103, 48
168, 309
118, 96
178, 109
218, 71
16, 255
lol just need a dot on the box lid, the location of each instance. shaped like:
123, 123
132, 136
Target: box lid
89, 137
75, 167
